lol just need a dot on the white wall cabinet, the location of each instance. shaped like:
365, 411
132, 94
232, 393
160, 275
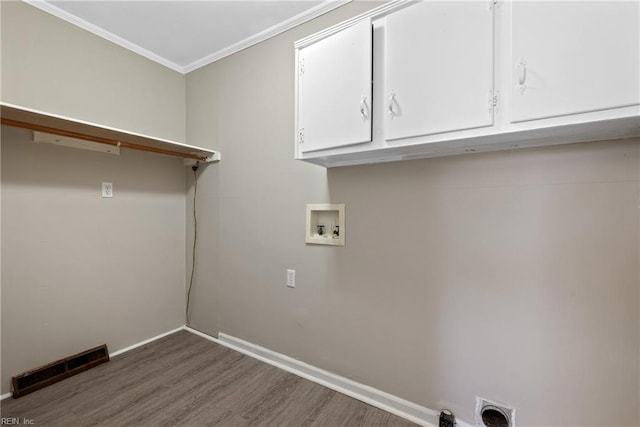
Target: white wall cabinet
458, 77
439, 68
334, 89
573, 57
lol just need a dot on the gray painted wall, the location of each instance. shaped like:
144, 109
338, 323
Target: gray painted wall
56, 67
512, 276
78, 270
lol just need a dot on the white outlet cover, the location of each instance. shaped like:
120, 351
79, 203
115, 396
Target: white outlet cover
107, 189
291, 278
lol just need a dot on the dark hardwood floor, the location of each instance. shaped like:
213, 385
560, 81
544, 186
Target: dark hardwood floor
185, 380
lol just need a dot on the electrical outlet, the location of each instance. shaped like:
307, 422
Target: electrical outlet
107, 189
291, 278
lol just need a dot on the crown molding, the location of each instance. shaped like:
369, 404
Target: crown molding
273, 31
101, 32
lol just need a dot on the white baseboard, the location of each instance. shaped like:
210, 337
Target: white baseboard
374, 397
141, 343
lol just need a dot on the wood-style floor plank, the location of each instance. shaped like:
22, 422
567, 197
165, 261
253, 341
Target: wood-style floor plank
185, 380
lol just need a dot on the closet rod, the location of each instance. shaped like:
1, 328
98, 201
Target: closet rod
54, 131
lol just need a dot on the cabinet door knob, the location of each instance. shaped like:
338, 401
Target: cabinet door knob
522, 74
364, 110
392, 101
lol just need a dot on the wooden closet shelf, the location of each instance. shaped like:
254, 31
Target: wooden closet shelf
15, 116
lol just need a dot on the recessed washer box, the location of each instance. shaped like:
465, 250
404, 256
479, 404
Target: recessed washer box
325, 224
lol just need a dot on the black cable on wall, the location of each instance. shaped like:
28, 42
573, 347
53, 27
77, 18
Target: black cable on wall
194, 168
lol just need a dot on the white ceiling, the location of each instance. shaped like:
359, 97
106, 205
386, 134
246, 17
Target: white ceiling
188, 34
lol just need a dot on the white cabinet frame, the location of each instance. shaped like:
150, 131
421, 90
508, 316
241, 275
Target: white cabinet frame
605, 124
333, 96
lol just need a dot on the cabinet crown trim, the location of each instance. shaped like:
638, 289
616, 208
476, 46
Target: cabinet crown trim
377, 12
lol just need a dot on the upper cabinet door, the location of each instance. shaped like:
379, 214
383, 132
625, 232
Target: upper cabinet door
334, 90
573, 57
439, 68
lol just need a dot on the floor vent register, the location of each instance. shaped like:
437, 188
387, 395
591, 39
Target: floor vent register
38, 378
